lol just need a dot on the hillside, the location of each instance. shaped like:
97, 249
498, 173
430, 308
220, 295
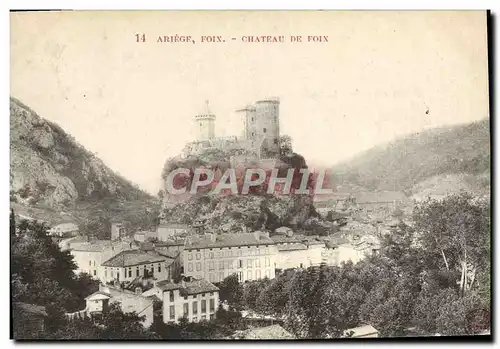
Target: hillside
51, 173
424, 161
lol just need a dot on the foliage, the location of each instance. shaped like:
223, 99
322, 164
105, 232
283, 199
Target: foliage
231, 291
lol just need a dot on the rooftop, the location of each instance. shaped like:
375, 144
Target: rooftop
134, 257
195, 286
362, 331
292, 247
228, 240
173, 225
98, 245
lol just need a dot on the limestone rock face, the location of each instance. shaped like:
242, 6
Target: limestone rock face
48, 167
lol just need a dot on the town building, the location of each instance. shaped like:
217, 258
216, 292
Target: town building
64, 230
168, 231
99, 301
116, 230
193, 299
382, 200
298, 251
89, 255
142, 236
343, 250
129, 265
214, 257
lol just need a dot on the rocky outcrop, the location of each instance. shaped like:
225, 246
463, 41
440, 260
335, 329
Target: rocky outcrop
48, 167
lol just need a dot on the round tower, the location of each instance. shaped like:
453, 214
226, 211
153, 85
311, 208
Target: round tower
267, 124
205, 124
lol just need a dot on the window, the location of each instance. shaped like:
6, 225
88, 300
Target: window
239, 252
186, 309
249, 275
95, 272
203, 306
211, 265
198, 256
212, 305
211, 255
94, 263
268, 263
221, 276
264, 130
90, 263
190, 256
240, 276
198, 266
211, 316
257, 262
221, 265
137, 271
190, 266
252, 121
257, 274
172, 312
195, 307
230, 264
249, 263
129, 272
159, 267
240, 263
172, 296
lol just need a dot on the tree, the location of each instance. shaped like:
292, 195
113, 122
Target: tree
457, 229
285, 143
116, 324
231, 291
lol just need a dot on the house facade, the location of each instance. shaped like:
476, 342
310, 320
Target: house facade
90, 255
251, 256
193, 299
99, 302
129, 265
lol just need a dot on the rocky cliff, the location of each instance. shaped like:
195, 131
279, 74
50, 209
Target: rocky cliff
236, 213
55, 179
48, 167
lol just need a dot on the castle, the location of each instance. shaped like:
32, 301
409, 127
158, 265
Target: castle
260, 134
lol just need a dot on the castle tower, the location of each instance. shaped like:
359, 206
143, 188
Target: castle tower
267, 125
205, 124
247, 116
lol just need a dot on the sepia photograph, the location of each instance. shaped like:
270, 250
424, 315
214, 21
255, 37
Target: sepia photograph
250, 175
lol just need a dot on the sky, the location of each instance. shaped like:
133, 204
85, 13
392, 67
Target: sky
379, 76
